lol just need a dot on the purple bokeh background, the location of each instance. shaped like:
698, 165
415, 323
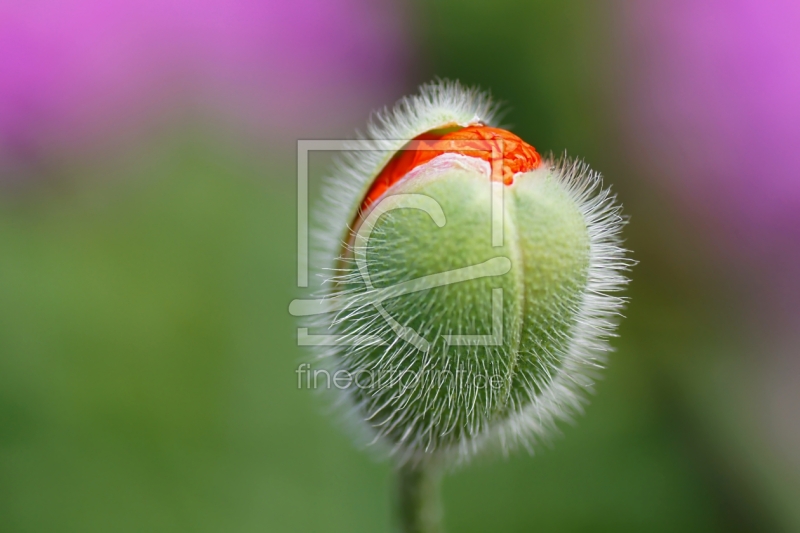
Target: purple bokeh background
715, 109
715, 95
71, 72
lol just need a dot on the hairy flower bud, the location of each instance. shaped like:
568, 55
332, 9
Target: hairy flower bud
471, 279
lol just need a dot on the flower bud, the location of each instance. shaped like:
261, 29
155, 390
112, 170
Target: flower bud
472, 280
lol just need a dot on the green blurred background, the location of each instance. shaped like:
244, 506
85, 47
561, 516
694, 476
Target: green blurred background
148, 257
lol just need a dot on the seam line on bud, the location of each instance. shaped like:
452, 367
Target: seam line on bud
517, 271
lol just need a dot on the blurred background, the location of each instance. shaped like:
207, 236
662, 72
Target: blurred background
147, 258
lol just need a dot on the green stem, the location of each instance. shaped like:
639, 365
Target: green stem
419, 505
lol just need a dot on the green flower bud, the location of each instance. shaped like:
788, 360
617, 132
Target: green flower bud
472, 303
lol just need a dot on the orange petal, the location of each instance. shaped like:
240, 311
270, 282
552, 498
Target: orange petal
508, 154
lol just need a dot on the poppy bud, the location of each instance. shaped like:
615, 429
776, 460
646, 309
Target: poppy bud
472, 279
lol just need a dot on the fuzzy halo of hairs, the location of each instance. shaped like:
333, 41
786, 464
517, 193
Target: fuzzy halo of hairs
576, 359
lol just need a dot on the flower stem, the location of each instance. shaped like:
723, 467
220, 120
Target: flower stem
418, 499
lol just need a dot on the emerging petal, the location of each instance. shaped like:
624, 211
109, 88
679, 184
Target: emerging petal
473, 285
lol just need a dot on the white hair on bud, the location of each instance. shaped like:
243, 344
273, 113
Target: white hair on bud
595, 322
442, 104
438, 105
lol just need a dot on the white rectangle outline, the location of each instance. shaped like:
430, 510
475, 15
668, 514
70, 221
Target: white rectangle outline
304, 146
